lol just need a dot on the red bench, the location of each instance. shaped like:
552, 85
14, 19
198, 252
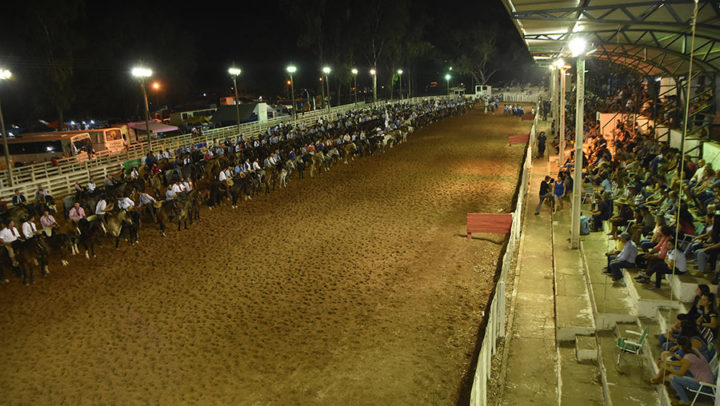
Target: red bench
498, 223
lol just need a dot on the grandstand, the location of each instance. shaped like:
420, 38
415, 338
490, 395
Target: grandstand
559, 328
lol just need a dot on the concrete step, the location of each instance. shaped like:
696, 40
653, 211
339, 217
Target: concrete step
580, 382
586, 349
573, 310
645, 300
684, 285
612, 303
627, 383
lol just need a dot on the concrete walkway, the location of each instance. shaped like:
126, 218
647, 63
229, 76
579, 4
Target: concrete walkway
531, 369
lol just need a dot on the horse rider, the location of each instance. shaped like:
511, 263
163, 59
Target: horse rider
40, 194
76, 213
47, 221
256, 166
29, 229
187, 183
100, 210
170, 193
18, 198
125, 203
134, 173
146, 200
11, 239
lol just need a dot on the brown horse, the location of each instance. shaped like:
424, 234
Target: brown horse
348, 150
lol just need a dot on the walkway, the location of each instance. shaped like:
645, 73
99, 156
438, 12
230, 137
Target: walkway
531, 368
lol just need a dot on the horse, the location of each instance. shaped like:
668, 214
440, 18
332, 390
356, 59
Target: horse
286, 171
318, 161
30, 254
332, 156
242, 185
119, 222
88, 236
349, 150
59, 242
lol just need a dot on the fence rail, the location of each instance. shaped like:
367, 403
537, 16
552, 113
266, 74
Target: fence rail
59, 180
495, 327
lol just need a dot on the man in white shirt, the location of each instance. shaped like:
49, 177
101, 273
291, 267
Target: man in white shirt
222, 177
187, 183
10, 236
125, 203
256, 165
91, 187
29, 229
170, 193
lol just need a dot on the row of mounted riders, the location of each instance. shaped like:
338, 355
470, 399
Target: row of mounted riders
66, 237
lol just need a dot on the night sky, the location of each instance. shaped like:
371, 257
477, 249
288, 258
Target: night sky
189, 46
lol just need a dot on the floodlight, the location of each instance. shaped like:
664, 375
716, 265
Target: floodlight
141, 72
578, 45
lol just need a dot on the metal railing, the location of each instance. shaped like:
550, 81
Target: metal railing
60, 180
495, 327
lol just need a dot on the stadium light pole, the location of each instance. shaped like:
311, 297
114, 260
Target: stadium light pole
5, 75
141, 74
355, 73
400, 72
326, 70
373, 72
447, 81
290, 70
578, 48
234, 73
560, 65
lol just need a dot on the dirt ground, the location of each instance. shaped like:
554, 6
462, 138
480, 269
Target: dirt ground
357, 287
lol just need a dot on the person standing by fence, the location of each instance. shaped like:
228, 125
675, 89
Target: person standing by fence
545, 193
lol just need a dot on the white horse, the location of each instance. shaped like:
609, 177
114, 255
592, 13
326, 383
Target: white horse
333, 155
286, 171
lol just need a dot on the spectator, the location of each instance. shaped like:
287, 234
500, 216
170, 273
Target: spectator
623, 259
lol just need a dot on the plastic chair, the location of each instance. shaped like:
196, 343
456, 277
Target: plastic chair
629, 346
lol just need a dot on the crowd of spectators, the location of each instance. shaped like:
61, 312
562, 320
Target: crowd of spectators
660, 207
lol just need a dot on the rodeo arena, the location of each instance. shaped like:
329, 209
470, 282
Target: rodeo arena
426, 251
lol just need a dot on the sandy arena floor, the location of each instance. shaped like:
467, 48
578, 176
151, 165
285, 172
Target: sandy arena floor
355, 288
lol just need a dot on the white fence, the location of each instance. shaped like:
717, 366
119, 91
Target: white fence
519, 97
59, 180
495, 327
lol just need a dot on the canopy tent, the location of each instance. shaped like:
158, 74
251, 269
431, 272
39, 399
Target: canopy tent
649, 36
155, 127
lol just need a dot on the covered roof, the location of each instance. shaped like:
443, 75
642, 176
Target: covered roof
155, 127
652, 37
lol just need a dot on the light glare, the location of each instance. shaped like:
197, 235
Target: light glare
291, 69
140, 72
577, 46
234, 71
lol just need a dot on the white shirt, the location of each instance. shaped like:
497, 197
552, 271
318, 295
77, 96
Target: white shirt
146, 199
100, 207
680, 260
169, 194
178, 187
221, 176
29, 229
256, 166
188, 185
125, 203
91, 186
8, 235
